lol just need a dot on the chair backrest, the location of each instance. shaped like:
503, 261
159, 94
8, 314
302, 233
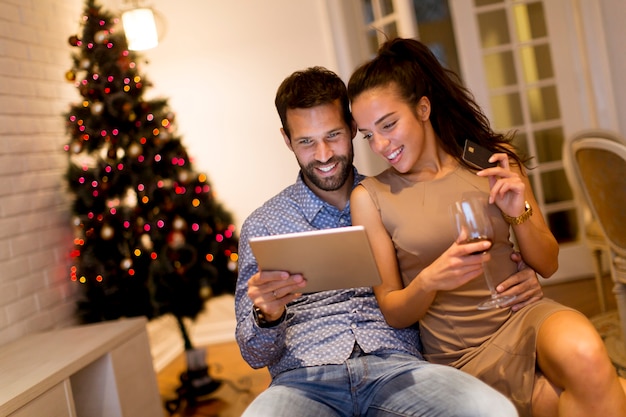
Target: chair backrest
599, 165
584, 212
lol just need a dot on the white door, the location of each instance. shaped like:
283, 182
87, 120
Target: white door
526, 62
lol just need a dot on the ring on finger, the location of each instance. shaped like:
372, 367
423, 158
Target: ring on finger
274, 294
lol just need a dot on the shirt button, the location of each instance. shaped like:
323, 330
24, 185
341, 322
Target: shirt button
353, 325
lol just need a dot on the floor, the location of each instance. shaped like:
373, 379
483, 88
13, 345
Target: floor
239, 384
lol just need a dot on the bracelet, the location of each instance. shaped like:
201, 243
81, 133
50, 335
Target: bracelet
528, 211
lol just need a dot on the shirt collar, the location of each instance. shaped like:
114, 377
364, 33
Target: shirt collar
310, 203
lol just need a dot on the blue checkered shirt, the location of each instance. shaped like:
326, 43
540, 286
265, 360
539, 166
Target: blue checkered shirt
320, 328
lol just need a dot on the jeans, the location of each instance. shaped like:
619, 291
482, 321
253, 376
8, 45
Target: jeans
379, 385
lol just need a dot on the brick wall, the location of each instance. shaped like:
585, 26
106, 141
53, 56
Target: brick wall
35, 232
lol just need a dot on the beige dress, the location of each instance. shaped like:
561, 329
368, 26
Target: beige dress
496, 345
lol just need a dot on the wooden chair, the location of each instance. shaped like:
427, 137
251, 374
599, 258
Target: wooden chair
593, 235
599, 167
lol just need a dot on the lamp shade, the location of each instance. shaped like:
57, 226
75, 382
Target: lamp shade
140, 29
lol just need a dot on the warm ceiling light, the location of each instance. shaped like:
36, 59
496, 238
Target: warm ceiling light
140, 29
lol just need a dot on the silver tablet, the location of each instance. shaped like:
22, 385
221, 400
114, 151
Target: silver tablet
329, 259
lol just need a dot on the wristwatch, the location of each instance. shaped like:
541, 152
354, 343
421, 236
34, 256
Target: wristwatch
528, 211
261, 321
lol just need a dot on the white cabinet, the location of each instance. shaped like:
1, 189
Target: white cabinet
96, 370
52, 403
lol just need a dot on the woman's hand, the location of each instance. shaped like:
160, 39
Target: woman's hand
459, 264
507, 190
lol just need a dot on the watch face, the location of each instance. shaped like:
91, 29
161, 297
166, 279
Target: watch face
258, 315
261, 321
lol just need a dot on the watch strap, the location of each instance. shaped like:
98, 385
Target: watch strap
262, 321
528, 211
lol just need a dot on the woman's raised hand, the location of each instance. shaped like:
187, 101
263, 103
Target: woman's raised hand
507, 190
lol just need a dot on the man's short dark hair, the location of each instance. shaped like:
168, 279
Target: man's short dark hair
311, 87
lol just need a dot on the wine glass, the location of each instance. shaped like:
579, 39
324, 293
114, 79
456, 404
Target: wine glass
473, 225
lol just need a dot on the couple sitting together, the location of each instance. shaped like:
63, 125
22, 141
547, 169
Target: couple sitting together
415, 345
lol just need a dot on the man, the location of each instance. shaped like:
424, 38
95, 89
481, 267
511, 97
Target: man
331, 353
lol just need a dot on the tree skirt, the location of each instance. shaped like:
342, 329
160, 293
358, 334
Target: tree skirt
609, 327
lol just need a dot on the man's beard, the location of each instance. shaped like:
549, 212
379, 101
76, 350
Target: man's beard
328, 183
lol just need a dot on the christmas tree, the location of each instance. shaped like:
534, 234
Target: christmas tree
150, 236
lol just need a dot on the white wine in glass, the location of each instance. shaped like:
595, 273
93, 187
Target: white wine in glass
473, 223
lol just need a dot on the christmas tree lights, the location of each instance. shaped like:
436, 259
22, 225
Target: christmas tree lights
150, 236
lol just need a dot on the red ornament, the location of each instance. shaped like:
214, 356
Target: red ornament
176, 239
73, 40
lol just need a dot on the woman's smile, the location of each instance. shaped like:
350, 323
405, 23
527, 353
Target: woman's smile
395, 154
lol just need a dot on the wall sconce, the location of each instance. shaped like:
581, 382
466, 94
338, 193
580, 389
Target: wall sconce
140, 28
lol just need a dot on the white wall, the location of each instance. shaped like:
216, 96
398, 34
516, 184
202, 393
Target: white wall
220, 63
614, 16
35, 292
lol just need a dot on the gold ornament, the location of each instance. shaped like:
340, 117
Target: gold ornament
205, 292
101, 36
146, 241
134, 150
96, 108
76, 147
107, 232
126, 263
70, 75
179, 223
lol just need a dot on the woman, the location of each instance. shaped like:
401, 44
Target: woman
546, 357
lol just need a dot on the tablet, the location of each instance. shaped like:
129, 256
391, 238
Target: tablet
329, 259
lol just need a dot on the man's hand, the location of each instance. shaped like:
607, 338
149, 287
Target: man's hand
524, 285
271, 291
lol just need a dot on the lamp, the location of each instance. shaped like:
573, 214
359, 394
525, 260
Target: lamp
140, 28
